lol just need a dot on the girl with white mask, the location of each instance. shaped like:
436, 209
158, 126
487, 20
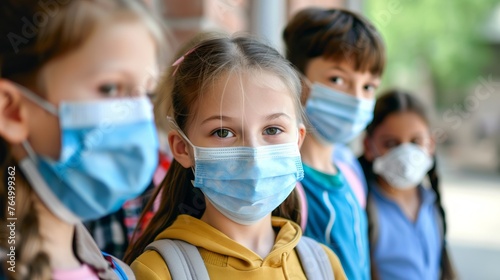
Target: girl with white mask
406, 219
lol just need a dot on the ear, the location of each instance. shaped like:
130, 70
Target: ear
432, 145
368, 153
13, 113
306, 90
302, 134
180, 150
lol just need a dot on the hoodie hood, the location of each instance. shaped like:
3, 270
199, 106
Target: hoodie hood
219, 248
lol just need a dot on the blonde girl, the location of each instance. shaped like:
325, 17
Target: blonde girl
77, 135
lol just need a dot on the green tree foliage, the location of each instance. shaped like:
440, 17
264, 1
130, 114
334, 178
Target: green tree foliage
434, 44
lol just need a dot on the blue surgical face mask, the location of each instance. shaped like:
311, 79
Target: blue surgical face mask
109, 151
337, 117
245, 183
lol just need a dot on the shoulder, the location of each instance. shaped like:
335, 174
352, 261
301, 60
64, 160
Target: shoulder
343, 153
338, 271
150, 265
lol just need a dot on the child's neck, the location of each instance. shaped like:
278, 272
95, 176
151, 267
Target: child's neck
259, 237
318, 155
57, 239
408, 200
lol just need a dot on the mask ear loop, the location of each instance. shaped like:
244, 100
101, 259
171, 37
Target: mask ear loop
31, 153
175, 126
47, 106
44, 104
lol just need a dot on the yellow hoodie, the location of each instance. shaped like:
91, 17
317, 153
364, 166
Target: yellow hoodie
226, 259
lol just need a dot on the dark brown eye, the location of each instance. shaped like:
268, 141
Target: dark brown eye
109, 90
337, 80
391, 144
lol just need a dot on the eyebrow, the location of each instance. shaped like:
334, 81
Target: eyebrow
277, 115
216, 117
392, 136
226, 118
338, 68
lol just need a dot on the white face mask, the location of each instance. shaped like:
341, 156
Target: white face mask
404, 166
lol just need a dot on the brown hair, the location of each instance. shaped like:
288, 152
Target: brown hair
334, 34
213, 57
33, 33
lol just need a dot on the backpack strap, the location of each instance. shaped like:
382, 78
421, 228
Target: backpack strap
120, 268
303, 205
314, 259
183, 259
373, 231
372, 215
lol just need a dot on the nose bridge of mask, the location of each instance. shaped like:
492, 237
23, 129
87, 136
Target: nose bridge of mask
412, 154
418, 154
325, 92
49, 107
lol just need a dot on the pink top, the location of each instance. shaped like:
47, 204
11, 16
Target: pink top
84, 272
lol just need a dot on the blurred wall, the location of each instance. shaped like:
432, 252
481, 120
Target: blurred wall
185, 18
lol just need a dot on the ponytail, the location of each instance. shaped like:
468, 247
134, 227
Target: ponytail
433, 178
290, 209
371, 212
32, 262
178, 196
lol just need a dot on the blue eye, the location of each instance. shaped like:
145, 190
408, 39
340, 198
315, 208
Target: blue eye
223, 133
272, 131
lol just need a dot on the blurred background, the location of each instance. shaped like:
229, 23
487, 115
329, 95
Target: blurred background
448, 53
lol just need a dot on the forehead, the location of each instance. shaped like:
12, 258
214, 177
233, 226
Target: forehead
246, 94
122, 49
125, 43
403, 124
120, 45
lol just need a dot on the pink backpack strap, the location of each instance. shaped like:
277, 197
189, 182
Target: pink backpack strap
354, 182
303, 205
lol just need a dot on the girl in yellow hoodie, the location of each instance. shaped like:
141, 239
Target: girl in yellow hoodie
236, 126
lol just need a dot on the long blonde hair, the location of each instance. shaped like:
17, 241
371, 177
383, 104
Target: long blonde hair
33, 33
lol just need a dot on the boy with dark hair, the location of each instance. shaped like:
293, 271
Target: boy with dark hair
342, 57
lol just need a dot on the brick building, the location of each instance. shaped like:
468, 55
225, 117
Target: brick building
267, 18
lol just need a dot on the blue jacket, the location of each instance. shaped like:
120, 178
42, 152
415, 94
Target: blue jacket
336, 218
